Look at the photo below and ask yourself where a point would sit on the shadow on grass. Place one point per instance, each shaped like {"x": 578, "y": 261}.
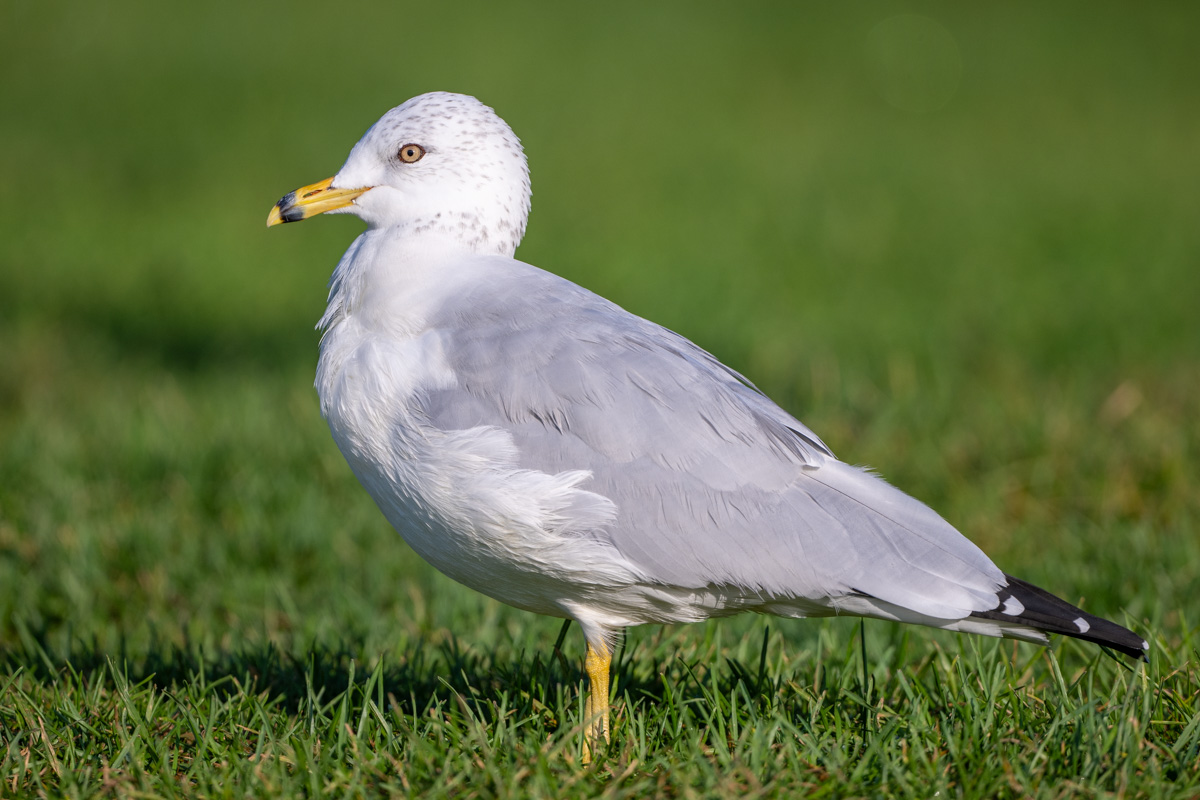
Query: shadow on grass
{"x": 419, "y": 680}
{"x": 423, "y": 676}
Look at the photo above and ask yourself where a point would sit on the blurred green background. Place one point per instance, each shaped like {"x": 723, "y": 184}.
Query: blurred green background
{"x": 958, "y": 240}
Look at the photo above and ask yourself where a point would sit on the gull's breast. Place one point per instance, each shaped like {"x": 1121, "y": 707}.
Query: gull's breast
{"x": 459, "y": 497}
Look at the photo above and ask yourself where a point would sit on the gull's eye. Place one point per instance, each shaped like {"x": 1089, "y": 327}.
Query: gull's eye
{"x": 411, "y": 152}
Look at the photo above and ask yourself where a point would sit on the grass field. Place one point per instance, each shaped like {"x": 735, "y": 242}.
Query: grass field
{"x": 960, "y": 242}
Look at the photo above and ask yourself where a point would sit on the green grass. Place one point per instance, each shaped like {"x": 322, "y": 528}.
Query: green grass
{"x": 992, "y": 300}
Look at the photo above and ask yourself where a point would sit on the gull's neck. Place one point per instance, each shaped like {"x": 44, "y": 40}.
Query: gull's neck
{"x": 390, "y": 280}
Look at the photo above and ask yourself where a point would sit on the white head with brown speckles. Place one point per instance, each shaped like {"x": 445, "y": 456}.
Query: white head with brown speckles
{"x": 440, "y": 162}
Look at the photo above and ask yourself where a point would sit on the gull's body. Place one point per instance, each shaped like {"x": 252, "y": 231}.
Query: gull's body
{"x": 543, "y": 446}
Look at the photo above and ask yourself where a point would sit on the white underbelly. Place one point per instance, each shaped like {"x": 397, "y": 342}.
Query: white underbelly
{"x": 458, "y": 497}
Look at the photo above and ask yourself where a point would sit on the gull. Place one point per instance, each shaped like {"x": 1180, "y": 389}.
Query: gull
{"x": 543, "y": 446}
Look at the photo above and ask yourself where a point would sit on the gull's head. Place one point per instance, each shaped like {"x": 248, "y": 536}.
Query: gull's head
{"x": 440, "y": 164}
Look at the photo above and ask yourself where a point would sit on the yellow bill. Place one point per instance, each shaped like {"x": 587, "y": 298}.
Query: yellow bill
{"x": 308, "y": 201}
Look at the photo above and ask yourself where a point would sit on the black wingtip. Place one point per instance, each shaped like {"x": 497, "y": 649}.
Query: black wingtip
{"x": 1025, "y": 604}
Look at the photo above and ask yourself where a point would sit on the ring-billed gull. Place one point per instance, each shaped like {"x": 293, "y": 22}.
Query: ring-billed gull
{"x": 541, "y": 445}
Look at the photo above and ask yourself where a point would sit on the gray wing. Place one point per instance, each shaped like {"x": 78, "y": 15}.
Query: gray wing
{"x": 715, "y": 485}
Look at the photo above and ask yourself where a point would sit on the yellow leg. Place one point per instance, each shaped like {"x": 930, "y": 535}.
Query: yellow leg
{"x": 597, "y": 664}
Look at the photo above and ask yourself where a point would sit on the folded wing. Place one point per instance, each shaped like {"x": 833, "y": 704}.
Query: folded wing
{"x": 715, "y": 485}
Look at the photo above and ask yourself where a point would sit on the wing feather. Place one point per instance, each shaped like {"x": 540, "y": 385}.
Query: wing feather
{"x": 715, "y": 485}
